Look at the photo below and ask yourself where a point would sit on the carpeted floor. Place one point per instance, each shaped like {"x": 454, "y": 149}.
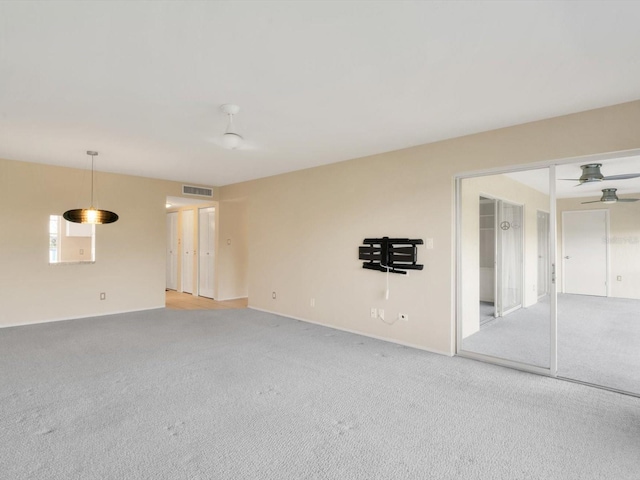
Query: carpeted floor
{"x": 598, "y": 339}
{"x": 240, "y": 394}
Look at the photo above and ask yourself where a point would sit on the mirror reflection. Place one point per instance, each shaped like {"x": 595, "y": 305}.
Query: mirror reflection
{"x": 505, "y": 253}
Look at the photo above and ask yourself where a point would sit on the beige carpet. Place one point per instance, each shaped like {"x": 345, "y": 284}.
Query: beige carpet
{"x": 240, "y": 394}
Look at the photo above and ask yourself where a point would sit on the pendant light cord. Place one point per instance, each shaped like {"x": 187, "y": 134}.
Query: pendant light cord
{"x": 92, "y": 158}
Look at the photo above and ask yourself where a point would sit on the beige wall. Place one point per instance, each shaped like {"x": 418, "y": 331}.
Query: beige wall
{"x": 130, "y": 254}
{"x": 304, "y": 228}
{"x": 233, "y": 244}
{"x": 503, "y": 188}
{"x": 296, "y": 234}
{"x": 624, "y": 243}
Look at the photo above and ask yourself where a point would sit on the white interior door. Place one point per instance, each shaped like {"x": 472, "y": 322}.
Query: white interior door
{"x": 172, "y": 250}
{"x": 187, "y": 251}
{"x": 206, "y": 248}
{"x": 584, "y": 252}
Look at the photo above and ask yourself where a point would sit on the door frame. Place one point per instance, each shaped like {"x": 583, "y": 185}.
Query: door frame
{"x": 495, "y": 250}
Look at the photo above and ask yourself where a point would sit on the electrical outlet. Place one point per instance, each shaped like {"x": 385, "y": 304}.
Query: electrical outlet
{"x": 381, "y": 313}
{"x": 403, "y": 316}
{"x": 273, "y": 295}
{"x": 374, "y": 312}
{"x": 312, "y": 302}
{"x": 82, "y": 251}
{"x": 429, "y": 243}
{"x": 103, "y": 296}
{"x": 619, "y": 278}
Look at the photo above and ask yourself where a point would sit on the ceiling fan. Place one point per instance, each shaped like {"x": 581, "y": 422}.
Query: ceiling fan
{"x": 609, "y": 196}
{"x": 591, "y": 173}
{"x": 231, "y": 139}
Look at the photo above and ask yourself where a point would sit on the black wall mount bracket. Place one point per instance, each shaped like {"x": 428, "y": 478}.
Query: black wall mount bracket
{"x": 396, "y": 255}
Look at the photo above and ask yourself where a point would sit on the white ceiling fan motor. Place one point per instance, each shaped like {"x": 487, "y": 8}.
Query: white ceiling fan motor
{"x": 231, "y": 140}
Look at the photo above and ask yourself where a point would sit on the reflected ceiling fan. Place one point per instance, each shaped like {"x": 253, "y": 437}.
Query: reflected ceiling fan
{"x": 609, "y": 196}
{"x": 591, "y": 173}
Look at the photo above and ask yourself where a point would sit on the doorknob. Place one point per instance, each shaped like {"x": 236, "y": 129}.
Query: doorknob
{"x": 567, "y": 257}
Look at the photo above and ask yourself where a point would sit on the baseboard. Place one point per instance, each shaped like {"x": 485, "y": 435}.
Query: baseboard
{"x": 384, "y": 339}
{"x": 230, "y": 298}
{"x": 104, "y": 314}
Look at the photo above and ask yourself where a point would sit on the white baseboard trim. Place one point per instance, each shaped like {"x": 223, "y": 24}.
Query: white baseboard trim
{"x": 230, "y": 298}
{"x": 95, "y": 315}
{"x": 377, "y": 337}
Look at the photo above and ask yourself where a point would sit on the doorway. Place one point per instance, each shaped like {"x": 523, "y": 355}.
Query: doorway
{"x": 501, "y": 265}
{"x": 191, "y": 244}
{"x": 487, "y": 258}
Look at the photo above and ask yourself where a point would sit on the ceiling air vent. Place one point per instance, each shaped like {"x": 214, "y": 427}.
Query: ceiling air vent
{"x": 197, "y": 191}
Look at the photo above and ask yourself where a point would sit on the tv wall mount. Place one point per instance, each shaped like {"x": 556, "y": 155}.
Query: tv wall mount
{"x": 395, "y": 255}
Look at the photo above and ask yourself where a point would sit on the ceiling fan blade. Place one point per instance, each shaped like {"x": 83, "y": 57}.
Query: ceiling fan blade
{"x": 570, "y": 179}
{"x": 624, "y": 176}
{"x": 628, "y": 199}
{"x": 595, "y": 201}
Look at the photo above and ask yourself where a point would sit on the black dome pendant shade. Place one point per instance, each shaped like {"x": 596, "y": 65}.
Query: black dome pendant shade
{"x": 91, "y": 214}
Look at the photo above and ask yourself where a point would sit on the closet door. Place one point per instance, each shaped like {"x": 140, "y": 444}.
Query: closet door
{"x": 510, "y": 257}
{"x": 188, "y": 256}
{"x": 206, "y": 247}
{"x": 172, "y": 251}
{"x": 518, "y": 327}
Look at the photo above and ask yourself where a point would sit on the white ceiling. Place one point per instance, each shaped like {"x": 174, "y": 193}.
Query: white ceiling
{"x": 317, "y": 82}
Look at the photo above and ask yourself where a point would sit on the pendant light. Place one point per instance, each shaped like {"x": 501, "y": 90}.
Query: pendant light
{"x": 91, "y": 214}
{"x": 231, "y": 140}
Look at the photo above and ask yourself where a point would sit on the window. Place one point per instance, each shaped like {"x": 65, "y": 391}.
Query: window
{"x": 70, "y": 242}
{"x": 54, "y": 228}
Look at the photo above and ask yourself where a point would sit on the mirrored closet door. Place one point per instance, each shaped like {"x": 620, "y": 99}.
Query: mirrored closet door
{"x": 504, "y": 254}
